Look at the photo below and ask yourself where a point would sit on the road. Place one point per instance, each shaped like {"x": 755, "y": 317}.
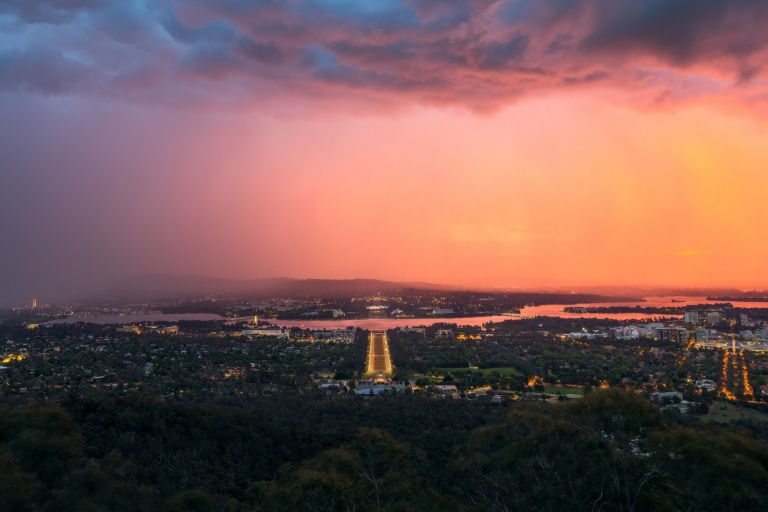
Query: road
{"x": 734, "y": 382}
{"x": 378, "y": 353}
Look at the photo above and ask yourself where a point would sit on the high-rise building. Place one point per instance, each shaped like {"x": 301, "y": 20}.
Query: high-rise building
{"x": 34, "y": 303}
{"x": 713, "y": 318}
{"x": 746, "y": 321}
{"x": 671, "y": 334}
{"x": 702, "y": 335}
{"x": 692, "y": 317}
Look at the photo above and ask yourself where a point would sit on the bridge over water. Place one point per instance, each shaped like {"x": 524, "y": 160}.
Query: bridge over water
{"x": 378, "y": 353}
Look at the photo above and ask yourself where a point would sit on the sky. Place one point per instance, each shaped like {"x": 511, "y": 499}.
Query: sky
{"x": 477, "y": 143}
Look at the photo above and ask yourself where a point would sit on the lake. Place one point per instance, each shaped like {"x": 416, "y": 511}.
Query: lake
{"x": 391, "y": 323}
{"x": 130, "y": 319}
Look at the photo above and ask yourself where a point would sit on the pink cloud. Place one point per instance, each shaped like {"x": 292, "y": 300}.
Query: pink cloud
{"x": 469, "y": 53}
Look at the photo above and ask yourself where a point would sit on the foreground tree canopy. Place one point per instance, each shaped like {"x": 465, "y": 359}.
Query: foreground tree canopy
{"x": 610, "y": 451}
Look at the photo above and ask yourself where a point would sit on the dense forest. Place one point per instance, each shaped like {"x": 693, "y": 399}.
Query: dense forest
{"x": 611, "y": 451}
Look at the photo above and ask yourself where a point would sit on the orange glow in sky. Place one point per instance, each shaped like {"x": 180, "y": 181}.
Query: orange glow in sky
{"x": 503, "y": 143}
{"x": 559, "y": 190}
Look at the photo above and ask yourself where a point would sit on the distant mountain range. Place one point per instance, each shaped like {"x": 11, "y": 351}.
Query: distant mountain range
{"x": 162, "y": 286}
{"x": 158, "y": 287}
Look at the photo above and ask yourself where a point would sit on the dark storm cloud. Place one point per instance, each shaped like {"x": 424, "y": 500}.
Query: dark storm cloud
{"x": 682, "y": 32}
{"x": 263, "y": 53}
{"x": 49, "y": 11}
{"x": 500, "y": 55}
{"x": 424, "y": 51}
{"x": 215, "y": 31}
{"x": 41, "y": 70}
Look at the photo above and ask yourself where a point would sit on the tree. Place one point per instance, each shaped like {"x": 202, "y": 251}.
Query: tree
{"x": 43, "y": 438}
{"x": 622, "y": 417}
{"x": 194, "y": 500}
{"x": 715, "y": 468}
{"x": 533, "y": 461}
{"x": 16, "y": 487}
{"x": 373, "y": 472}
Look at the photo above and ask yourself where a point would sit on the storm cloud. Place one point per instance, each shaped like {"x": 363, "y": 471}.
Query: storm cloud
{"x": 477, "y": 54}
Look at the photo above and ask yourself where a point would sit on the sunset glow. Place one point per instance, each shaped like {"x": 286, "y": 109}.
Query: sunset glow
{"x": 384, "y": 255}
{"x": 513, "y": 143}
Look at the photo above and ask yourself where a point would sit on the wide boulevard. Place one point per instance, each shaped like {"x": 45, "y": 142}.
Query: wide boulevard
{"x": 378, "y": 353}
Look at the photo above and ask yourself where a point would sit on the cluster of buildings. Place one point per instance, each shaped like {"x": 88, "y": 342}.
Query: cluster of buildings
{"x": 437, "y": 311}
{"x": 441, "y": 311}
{"x": 376, "y": 386}
{"x": 100, "y": 311}
{"x": 751, "y": 341}
{"x": 710, "y": 317}
{"x": 754, "y": 339}
{"x": 336, "y": 335}
{"x": 705, "y": 337}
{"x": 282, "y": 304}
{"x": 278, "y": 332}
{"x": 653, "y": 330}
{"x": 137, "y": 329}
{"x": 337, "y": 313}
{"x": 379, "y": 384}
{"x": 715, "y": 317}
{"x": 420, "y": 330}
{"x": 584, "y": 335}
{"x": 373, "y": 386}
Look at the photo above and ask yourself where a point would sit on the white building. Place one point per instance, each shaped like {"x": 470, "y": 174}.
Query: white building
{"x": 374, "y": 388}
{"x": 633, "y": 332}
{"x": 445, "y": 388}
{"x": 579, "y": 335}
{"x": 661, "y": 395}
{"x": 168, "y": 329}
{"x": 344, "y": 335}
{"x": 705, "y": 384}
{"x": 268, "y": 331}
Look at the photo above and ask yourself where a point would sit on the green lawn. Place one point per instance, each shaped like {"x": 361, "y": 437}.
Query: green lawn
{"x": 486, "y": 371}
{"x": 723, "y": 412}
{"x": 431, "y": 379}
{"x": 553, "y": 390}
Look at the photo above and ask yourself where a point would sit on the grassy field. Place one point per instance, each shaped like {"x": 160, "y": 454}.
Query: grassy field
{"x": 723, "y": 412}
{"x": 553, "y": 390}
{"x": 431, "y": 379}
{"x": 486, "y": 371}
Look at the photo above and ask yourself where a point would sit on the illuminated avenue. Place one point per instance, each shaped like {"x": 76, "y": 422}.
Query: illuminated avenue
{"x": 378, "y": 353}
